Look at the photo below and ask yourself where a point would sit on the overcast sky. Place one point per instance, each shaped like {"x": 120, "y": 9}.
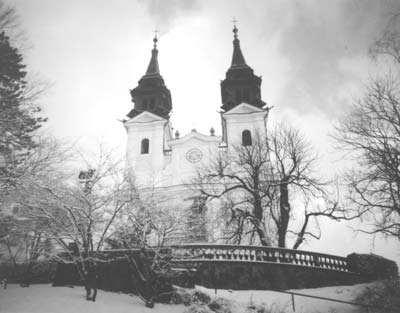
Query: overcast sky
{"x": 312, "y": 56}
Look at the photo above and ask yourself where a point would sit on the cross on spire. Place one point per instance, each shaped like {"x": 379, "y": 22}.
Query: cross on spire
{"x": 155, "y": 39}
{"x": 234, "y": 21}
{"x": 235, "y": 30}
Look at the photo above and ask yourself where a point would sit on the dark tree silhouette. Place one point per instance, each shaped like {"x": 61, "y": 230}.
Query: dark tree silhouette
{"x": 258, "y": 184}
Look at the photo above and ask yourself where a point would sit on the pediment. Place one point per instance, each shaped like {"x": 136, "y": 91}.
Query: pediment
{"x": 194, "y": 136}
{"x": 244, "y": 108}
{"x": 145, "y": 117}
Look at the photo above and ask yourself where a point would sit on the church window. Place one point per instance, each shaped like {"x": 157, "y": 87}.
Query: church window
{"x": 144, "y": 148}
{"x": 246, "y": 138}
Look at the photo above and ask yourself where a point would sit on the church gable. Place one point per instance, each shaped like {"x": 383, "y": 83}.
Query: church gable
{"x": 244, "y": 108}
{"x": 145, "y": 117}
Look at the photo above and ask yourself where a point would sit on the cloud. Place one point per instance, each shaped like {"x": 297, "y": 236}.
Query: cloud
{"x": 166, "y": 12}
{"x": 319, "y": 39}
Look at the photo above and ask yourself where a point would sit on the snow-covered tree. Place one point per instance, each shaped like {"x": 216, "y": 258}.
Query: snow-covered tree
{"x": 18, "y": 110}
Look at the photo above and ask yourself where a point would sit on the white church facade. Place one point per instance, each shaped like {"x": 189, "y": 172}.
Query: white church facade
{"x": 159, "y": 158}
{"x": 165, "y": 161}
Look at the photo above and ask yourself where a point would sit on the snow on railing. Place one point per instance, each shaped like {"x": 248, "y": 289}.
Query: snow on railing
{"x": 238, "y": 253}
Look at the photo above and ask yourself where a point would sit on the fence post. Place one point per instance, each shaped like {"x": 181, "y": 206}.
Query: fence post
{"x": 293, "y": 306}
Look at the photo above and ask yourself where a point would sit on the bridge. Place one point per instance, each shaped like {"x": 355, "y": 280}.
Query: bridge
{"x": 258, "y": 267}
{"x": 199, "y": 253}
{"x": 225, "y": 266}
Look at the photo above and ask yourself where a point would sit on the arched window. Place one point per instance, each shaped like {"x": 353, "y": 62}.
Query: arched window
{"x": 144, "y": 147}
{"x": 246, "y": 138}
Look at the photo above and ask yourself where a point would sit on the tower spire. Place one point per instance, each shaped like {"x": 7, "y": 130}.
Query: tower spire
{"x": 240, "y": 84}
{"x": 237, "y": 57}
{"x": 151, "y": 94}
{"x": 153, "y": 68}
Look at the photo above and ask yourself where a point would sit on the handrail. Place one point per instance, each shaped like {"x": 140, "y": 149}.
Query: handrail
{"x": 238, "y": 253}
{"x": 232, "y": 246}
{"x": 200, "y": 252}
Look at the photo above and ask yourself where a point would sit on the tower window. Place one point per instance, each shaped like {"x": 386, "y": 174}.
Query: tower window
{"x": 144, "y": 147}
{"x": 246, "y": 138}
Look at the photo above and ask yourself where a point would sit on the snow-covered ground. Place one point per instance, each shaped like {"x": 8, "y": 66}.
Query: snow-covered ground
{"x": 302, "y": 304}
{"x": 47, "y": 299}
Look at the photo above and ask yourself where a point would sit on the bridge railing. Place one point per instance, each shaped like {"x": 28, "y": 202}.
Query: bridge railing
{"x": 207, "y": 252}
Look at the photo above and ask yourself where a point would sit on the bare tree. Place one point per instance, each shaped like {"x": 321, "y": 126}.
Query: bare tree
{"x": 259, "y": 183}
{"x": 371, "y": 134}
{"x": 293, "y": 169}
{"x": 147, "y": 225}
{"x": 22, "y": 237}
{"x": 389, "y": 43}
{"x": 79, "y": 213}
{"x": 244, "y": 178}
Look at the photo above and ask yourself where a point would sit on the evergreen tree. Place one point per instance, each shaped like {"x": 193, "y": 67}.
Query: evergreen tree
{"x": 18, "y": 119}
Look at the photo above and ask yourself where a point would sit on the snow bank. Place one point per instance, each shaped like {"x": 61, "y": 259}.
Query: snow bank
{"x": 302, "y": 304}
{"x": 47, "y": 299}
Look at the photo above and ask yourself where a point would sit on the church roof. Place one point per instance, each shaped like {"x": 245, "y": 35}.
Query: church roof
{"x": 153, "y": 69}
{"x": 246, "y": 108}
{"x": 145, "y": 117}
{"x": 237, "y": 57}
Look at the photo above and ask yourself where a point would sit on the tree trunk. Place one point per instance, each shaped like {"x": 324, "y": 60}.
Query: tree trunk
{"x": 258, "y": 223}
{"x": 284, "y": 207}
{"x": 300, "y": 235}
{"x": 27, "y": 275}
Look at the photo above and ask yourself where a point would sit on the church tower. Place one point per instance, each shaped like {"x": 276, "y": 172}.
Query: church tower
{"x": 151, "y": 94}
{"x": 244, "y": 114}
{"x": 240, "y": 84}
{"x": 148, "y": 127}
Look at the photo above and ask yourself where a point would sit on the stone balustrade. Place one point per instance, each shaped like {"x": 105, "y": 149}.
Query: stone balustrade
{"x": 259, "y": 254}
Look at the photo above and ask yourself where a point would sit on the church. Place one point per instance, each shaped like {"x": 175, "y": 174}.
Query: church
{"x": 165, "y": 160}
{"x": 164, "y": 163}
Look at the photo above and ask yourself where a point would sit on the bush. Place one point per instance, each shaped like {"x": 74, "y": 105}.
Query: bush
{"x": 372, "y": 266}
{"x": 221, "y": 305}
{"x": 41, "y": 272}
{"x": 198, "y": 308}
{"x": 384, "y": 294}
{"x": 199, "y": 297}
{"x": 186, "y": 297}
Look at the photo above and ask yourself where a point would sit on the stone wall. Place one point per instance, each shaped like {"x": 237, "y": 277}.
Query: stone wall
{"x": 241, "y": 275}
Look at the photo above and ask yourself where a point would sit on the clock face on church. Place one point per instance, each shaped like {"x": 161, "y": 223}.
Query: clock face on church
{"x": 194, "y": 155}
